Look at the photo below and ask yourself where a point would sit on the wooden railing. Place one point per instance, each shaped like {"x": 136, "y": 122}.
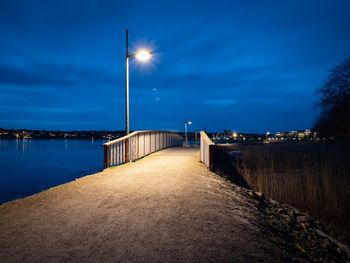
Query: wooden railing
{"x": 137, "y": 145}
{"x": 206, "y": 150}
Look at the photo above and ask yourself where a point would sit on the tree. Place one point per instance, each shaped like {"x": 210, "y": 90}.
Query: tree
{"x": 334, "y": 102}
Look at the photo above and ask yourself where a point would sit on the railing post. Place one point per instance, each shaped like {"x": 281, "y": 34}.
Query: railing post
{"x": 138, "y": 146}
{"x": 127, "y": 150}
{"x": 206, "y": 150}
{"x": 105, "y": 156}
{"x": 211, "y": 155}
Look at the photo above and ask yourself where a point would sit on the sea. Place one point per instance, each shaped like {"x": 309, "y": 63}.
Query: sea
{"x": 29, "y": 166}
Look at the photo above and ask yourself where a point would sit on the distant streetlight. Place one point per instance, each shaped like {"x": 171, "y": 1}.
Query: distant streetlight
{"x": 186, "y": 124}
{"x": 142, "y": 55}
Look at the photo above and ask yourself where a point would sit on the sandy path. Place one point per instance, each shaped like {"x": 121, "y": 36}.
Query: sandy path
{"x": 166, "y": 207}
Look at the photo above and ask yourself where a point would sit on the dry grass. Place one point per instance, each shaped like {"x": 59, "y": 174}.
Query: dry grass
{"x": 314, "y": 177}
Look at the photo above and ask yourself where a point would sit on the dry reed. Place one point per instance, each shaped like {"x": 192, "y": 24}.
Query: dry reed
{"x": 314, "y": 177}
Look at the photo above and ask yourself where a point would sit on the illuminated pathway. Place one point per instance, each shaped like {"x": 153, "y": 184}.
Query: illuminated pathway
{"x": 166, "y": 207}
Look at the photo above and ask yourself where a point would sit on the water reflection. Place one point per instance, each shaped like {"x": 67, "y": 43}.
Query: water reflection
{"x": 30, "y": 165}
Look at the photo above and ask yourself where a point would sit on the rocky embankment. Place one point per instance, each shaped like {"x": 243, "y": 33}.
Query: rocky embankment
{"x": 298, "y": 234}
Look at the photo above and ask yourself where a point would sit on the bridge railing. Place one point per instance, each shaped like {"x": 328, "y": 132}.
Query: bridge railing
{"x": 137, "y": 145}
{"x": 206, "y": 150}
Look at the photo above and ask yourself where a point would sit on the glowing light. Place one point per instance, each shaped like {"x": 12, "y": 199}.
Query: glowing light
{"x": 234, "y": 135}
{"x": 143, "y": 55}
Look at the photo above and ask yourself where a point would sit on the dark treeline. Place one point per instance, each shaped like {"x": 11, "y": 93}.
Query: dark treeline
{"x": 334, "y": 102}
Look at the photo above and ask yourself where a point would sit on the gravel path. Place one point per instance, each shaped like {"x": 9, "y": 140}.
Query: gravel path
{"x": 166, "y": 207}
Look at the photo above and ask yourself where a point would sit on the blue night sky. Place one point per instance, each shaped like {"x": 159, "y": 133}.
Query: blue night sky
{"x": 249, "y": 66}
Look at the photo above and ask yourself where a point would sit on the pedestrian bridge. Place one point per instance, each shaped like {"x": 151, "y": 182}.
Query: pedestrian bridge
{"x": 142, "y": 143}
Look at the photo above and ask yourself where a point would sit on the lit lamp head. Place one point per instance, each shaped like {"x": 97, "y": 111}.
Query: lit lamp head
{"x": 143, "y": 55}
{"x": 189, "y": 123}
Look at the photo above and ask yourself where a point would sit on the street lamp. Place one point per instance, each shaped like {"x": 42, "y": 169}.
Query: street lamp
{"x": 234, "y": 135}
{"x": 142, "y": 55}
{"x": 187, "y": 123}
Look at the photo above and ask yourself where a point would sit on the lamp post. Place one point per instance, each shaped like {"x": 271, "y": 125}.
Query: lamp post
{"x": 186, "y": 124}
{"x": 142, "y": 55}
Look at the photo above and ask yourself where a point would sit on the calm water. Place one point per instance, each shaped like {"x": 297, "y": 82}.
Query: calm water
{"x": 30, "y": 166}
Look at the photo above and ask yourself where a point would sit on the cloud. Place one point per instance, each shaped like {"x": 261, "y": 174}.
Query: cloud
{"x": 16, "y": 76}
{"x": 220, "y": 102}
{"x": 52, "y": 75}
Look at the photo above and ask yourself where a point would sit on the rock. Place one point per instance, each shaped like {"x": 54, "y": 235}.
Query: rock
{"x": 289, "y": 211}
{"x": 280, "y": 210}
{"x": 323, "y": 253}
{"x": 305, "y": 226}
{"x": 273, "y": 202}
{"x": 297, "y": 246}
{"x": 250, "y": 193}
{"x": 259, "y": 194}
{"x": 285, "y": 217}
{"x": 302, "y": 219}
{"x": 307, "y": 239}
{"x": 336, "y": 242}
{"x": 297, "y": 212}
{"x": 325, "y": 243}
{"x": 340, "y": 252}
{"x": 320, "y": 233}
{"x": 298, "y": 235}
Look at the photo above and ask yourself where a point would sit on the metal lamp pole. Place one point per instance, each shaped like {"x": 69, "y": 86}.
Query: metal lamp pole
{"x": 187, "y": 123}
{"x": 142, "y": 55}
{"x": 127, "y": 85}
